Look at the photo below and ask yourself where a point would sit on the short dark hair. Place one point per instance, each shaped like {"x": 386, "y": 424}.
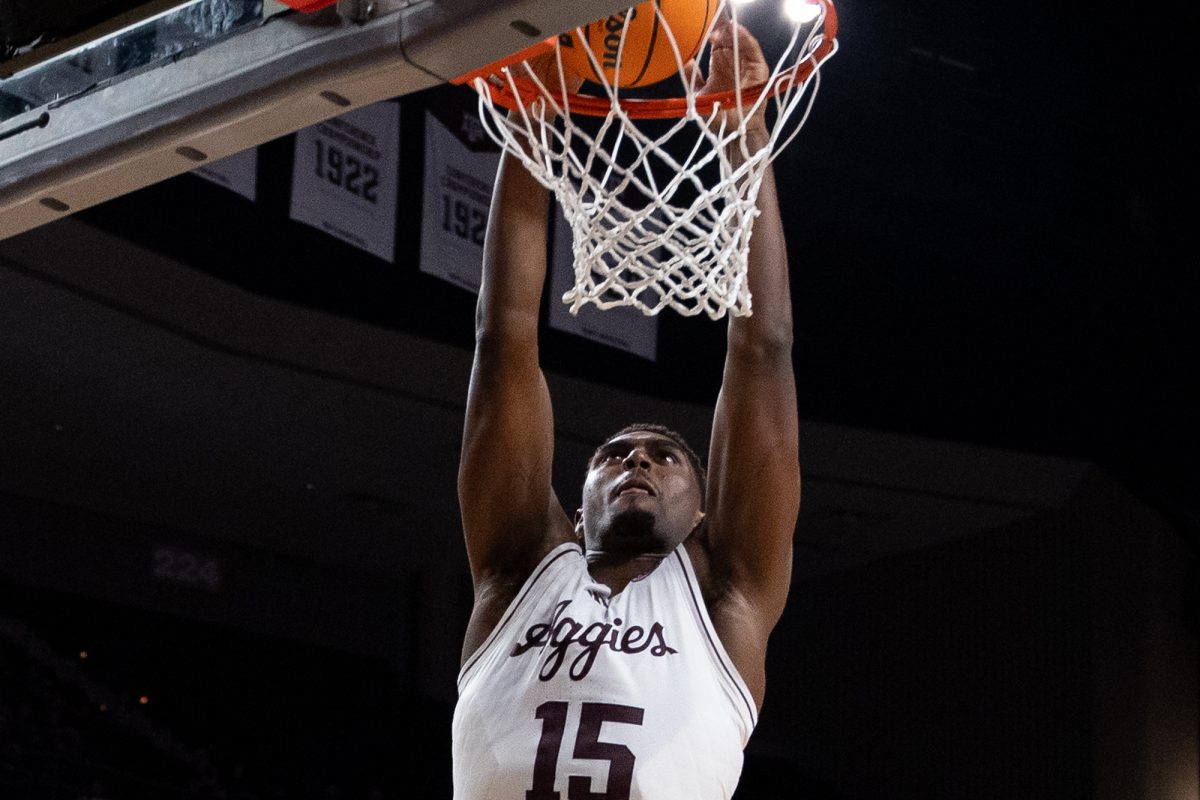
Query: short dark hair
{"x": 693, "y": 459}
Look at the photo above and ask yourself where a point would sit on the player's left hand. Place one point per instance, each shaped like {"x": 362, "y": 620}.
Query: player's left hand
{"x": 545, "y": 68}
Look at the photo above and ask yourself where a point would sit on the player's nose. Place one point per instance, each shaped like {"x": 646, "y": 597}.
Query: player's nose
{"x": 637, "y": 458}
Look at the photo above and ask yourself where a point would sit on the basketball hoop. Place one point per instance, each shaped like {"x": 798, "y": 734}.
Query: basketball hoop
{"x": 660, "y": 193}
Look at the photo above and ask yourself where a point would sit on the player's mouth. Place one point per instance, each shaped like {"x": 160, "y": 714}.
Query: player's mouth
{"x": 635, "y": 486}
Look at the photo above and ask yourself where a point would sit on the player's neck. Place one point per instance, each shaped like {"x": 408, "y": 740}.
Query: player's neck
{"x": 617, "y": 571}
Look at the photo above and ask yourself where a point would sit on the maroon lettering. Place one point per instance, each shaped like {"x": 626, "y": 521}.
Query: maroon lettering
{"x": 563, "y": 635}
{"x": 629, "y": 641}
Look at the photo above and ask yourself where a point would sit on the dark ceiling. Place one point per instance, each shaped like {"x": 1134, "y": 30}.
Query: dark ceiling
{"x": 987, "y": 219}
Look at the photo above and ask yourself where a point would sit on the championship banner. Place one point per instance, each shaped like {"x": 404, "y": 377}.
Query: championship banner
{"x": 460, "y": 172}
{"x": 238, "y": 173}
{"x": 624, "y": 328}
{"x": 344, "y": 177}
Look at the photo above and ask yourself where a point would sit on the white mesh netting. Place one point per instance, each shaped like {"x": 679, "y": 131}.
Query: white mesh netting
{"x": 662, "y": 210}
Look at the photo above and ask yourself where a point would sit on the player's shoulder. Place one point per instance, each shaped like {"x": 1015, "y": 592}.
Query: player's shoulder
{"x": 496, "y": 590}
{"x": 509, "y": 572}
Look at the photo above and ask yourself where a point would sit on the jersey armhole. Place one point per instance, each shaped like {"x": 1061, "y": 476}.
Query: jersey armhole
{"x": 535, "y": 576}
{"x": 745, "y": 700}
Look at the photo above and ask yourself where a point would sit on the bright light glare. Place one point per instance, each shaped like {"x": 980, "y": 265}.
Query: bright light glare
{"x": 801, "y": 10}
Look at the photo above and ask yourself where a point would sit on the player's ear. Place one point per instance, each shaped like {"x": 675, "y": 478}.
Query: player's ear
{"x": 579, "y": 523}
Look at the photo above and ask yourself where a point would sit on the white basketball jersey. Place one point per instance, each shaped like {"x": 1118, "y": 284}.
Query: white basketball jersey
{"x": 579, "y": 695}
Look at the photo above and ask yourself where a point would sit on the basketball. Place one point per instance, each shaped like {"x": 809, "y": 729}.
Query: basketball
{"x": 646, "y": 56}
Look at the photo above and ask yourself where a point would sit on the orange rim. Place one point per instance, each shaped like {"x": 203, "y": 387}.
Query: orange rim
{"x": 593, "y": 106}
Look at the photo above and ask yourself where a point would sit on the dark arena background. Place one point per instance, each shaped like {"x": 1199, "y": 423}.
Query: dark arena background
{"x": 231, "y": 565}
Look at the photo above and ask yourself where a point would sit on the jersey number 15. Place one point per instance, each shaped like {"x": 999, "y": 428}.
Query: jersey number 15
{"x": 553, "y": 715}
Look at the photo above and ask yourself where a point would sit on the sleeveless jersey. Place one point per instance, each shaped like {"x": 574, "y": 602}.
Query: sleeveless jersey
{"x": 576, "y": 694}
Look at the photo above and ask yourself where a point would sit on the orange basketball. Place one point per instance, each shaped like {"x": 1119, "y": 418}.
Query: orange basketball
{"x": 646, "y": 56}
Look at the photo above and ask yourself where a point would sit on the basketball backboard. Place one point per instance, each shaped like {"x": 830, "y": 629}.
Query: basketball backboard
{"x": 203, "y": 79}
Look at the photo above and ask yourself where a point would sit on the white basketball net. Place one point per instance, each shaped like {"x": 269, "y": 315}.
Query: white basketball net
{"x": 661, "y": 212}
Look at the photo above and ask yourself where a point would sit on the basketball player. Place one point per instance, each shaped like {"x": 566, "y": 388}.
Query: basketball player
{"x": 621, "y": 653}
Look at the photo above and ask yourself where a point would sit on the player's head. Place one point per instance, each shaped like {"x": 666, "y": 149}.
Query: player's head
{"x": 694, "y": 460}
{"x": 644, "y": 492}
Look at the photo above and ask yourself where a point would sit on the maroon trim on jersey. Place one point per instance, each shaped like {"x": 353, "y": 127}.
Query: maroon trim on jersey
{"x": 717, "y": 648}
{"x": 566, "y": 547}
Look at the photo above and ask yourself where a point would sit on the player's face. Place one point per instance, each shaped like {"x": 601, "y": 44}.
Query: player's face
{"x": 641, "y": 495}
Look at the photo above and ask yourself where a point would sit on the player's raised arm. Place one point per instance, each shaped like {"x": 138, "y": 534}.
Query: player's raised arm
{"x": 754, "y": 472}
{"x": 509, "y": 512}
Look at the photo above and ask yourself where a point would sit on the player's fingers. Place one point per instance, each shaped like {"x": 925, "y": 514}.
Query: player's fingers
{"x": 692, "y": 75}
{"x": 748, "y": 45}
{"x": 571, "y": 81}
{"x": 546, "y": 69}
{"x": 536, "y": 67}
{"x": 720, "y": 36}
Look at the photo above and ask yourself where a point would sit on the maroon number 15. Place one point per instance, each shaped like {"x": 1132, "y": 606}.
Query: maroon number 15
{"x": 553, "y": 715}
